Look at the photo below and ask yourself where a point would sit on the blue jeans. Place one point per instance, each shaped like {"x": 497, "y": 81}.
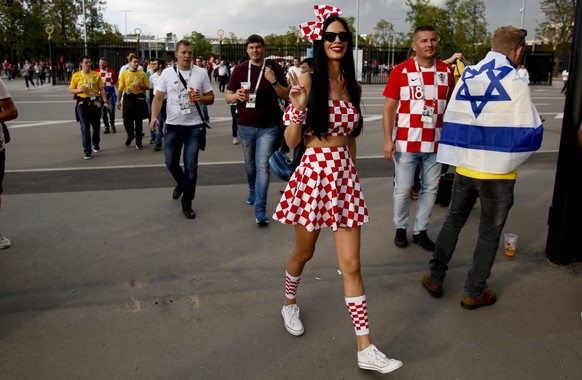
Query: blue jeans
{"x": 258, "y": 145}
{"x": 496, "y": 198}
{"x": 159, "y": 132}
{"x": 430, "y": 170}
{"x": 176, "y": 137}
{"x": 89, "y": 117}
{"x": 109, "y": 114}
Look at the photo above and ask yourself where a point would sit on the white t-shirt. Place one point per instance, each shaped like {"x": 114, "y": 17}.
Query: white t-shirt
{"x": 3, "y": 95}
{"x": 171, "y": 84}
{"x": 295, "y": 69}
{"x": 565, "y": 75}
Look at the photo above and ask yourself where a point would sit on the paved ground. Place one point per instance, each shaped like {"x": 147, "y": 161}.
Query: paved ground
{"x": 107, "y": 280}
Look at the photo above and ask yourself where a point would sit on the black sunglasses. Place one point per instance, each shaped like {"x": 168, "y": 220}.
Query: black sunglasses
{"x": 331, "y": 36}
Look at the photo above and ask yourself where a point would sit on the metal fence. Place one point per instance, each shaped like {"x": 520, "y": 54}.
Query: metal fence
{"x": 375, "y": 60}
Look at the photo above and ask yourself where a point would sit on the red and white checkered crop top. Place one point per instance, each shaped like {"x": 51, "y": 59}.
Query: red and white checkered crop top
{"x": 343, "y": 118}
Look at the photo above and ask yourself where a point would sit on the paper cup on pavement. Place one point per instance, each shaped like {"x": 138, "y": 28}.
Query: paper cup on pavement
{"x": 510, "y": 244}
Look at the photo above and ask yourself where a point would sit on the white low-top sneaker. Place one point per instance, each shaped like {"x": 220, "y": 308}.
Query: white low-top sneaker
{"x": 291, "y": 319}
{"x": 373, "y": 359}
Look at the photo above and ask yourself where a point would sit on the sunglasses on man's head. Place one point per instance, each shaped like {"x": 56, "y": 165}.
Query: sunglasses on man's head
{"x": 331, "y": 36}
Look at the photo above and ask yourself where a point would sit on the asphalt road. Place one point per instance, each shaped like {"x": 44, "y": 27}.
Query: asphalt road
{"x": 45, "y": 154}
{"x": 107, "y": 280}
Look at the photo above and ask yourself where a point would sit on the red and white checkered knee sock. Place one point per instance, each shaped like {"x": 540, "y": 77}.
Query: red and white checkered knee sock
{"x": 359, "y": 312}
{"x": 291, "y": 285}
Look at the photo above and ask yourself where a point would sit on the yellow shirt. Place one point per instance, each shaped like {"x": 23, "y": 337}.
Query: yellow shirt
{"x": 483, "y": 175}
{"x": 93, "y": 80}
{"x": 128, "y": 78}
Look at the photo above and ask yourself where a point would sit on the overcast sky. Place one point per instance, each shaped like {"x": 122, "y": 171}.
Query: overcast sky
{"x": 245, "y": 17}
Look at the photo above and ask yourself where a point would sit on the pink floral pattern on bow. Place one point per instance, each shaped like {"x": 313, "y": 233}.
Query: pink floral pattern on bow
{"x": 313, "y": 30}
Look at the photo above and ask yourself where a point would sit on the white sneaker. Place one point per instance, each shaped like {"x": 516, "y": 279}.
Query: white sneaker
{"x": 235, "y": 141}
{"x": 373, "y": 359}
{"x": 291, "y": 319}
{"x": 4, "y": 243}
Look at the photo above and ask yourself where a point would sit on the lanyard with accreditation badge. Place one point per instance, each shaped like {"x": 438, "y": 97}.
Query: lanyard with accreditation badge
{"x": 90, "y": 85}
{"x": 427, "y": 110}
{"x": 252, "y": 101}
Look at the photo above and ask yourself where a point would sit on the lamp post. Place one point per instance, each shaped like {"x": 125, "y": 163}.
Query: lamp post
{"x": 85, "y": 27}
{"x": 49, "y": 30}
{"x": 220, "y": 33}
{"x": 137, "y": 32}
{"x": 522, "y": 11}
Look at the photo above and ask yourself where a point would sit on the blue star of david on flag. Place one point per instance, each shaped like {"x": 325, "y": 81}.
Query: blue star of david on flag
{"x": 472, "y": 88}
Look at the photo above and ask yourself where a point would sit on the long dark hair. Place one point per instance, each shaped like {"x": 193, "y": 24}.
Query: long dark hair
{"x": 318, "y": 112}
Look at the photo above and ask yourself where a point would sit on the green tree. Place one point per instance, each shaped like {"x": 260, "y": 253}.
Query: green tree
{"x": 558, "y": 28}
{"x": 460, "y": 25}
{"x": 62, "y": 15}
{"x": 470, "y": 35}
{"x": 384, "y": 32}
{"x": 200, "y": 44}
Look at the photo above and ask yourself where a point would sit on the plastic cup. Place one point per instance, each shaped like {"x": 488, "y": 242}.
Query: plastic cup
{"x": 510, "y": 244}
{"x": 192, "y": 94}
{"x": 246, "y": 86}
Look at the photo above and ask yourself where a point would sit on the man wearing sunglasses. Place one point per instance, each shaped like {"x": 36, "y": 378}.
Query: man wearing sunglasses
{"x": 416, "y": 96}
{"x": 490, "y": 128}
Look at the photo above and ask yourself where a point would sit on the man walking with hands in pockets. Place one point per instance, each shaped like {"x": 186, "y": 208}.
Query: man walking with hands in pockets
{"x": 185, "y": 85}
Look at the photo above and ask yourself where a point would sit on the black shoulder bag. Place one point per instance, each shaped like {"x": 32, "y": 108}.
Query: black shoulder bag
{"x": 202, "y": 140}
{"x": 5, "y": 131}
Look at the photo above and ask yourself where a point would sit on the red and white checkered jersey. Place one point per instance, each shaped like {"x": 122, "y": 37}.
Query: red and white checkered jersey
{"x": 343, "y": 118}
{"x": 412, "y": 135}
{"x": 108, "y": 76}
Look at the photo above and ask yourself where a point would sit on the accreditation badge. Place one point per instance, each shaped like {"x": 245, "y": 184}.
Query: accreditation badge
{"x": 427, "y": 114}
{"x": 184, "y": 102}
{"x": 252, "y": 100}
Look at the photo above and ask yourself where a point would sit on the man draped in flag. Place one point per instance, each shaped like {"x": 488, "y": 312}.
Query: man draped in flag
{"x": 490, "y": 128}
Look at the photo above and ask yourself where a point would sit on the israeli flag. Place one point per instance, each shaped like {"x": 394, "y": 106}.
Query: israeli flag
{"x": 490, "y": 123}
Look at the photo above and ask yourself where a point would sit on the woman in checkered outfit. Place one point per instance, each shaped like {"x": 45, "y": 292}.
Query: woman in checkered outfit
{"x": 324, "y": 190}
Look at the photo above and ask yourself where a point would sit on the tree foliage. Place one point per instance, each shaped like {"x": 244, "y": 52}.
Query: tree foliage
{"x": 202, "y": 47}
{"x": 23, "y": 26}
{"x": 384, "y": 33}
{"x": 460, "y": 25}
{"x": 558, "y": 29}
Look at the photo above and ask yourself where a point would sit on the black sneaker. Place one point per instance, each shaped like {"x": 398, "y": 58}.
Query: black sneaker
{"x": 423, "y": 240}
{"x": 400, "y": 238}
{"x": 189, "y": 213}
{"x": 128, "y": 141}
{"x": 177, "y": 192}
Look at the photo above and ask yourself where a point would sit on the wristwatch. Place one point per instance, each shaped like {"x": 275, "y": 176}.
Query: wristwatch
{"x": 274, "y": 83}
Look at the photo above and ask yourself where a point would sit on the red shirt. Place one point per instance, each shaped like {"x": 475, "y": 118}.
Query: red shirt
{"x": 413, "y": 92}
{"x": 267, "y": 113}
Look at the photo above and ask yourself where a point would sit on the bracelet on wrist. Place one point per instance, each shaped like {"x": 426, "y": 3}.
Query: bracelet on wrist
{"x": 297, "y": 116}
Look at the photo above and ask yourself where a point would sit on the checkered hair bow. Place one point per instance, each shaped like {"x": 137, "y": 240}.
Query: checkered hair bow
{"x": 312, "y": 30}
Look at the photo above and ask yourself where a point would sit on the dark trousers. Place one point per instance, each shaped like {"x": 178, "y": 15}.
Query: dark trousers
{"x": 223, "y": 80}
{"x": 88, "y": 117}
{"x": 109, "y": 114}
{"x": 234, "y": 115}
{"x": 134, "y": 112}
{"x": 496, "y": 198}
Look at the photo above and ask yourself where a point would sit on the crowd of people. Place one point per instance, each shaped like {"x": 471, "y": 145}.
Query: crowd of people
{"x": 314, "y": 105}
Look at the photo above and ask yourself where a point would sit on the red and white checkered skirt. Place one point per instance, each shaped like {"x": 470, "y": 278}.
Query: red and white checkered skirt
{"x": 324, "y": 191}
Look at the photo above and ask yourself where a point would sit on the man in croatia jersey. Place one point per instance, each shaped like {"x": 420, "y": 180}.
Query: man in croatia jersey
{"x": 416, "y": 94}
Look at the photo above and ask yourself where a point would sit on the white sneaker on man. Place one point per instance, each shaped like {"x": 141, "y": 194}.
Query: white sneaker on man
{"x": 373, "y": 359}
{"x": 291, "y": 319}
{"x": 235, "y": 141}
